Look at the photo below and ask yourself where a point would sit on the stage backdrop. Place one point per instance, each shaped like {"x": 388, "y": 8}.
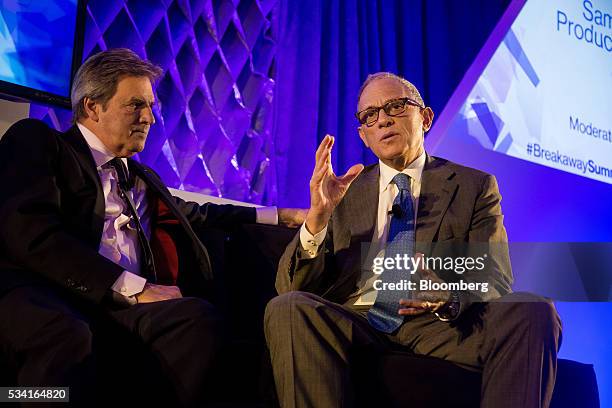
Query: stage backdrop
{"x": 534, "y": 109}
{"x": 213, "y": 130}
{"x": 327, "y": 48}
{"x": 250, "y": 87}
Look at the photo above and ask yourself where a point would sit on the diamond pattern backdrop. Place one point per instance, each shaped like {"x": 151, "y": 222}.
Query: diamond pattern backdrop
{"x": 214, "y": 116}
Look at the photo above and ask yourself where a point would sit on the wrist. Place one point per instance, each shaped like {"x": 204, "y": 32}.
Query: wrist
{"x": 316, "y": 221}
{"x": 450, "y": 310}
{"x": 116, "y": 300}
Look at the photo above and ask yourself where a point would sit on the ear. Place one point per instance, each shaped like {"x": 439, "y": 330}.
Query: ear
{"x": 92, "y": 109}
{"x": 428, "y": 116}
{"x": 362, "y": 136}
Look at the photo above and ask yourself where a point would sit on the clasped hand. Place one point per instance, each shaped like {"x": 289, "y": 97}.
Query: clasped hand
{"x": 425, "y": 301}
{"x": 157, "y": 293}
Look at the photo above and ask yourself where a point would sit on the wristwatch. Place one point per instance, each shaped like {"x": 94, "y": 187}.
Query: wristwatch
{"x": 451, "y": 309}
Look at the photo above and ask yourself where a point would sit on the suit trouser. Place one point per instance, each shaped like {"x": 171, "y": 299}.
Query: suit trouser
{"x": 512, "y": 341}
{"x": 164, "y": 347}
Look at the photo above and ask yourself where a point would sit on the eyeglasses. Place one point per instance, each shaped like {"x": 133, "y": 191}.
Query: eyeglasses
{"x": 394, "y": 107}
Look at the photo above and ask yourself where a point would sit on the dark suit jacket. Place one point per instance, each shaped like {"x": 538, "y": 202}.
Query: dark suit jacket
{"x": 52, "y": 214}
{"x": 457, "y": 205}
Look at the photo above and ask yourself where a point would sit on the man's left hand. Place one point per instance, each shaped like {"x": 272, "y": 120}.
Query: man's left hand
{"x": 425, "y": 301}
{"x": 413, "y": 307}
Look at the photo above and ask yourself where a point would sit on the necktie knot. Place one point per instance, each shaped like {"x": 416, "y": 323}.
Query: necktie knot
{"x": 402, "y": 181}
{"x": 122, "y": 173}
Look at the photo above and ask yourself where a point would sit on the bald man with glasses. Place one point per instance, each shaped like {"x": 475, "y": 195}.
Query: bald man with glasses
{"x": 330, "y": 301}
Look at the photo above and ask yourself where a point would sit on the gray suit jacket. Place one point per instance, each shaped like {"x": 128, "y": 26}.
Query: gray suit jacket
{"x": 457, "y": 206}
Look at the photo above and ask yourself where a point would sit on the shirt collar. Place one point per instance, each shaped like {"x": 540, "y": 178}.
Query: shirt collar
{"x": 100, "y": 152}
{"x": 414, "y": 171}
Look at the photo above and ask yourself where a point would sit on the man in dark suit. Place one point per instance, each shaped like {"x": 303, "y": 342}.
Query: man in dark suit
{"x": 89, "y": 235}
{"x": 334, "y": 300}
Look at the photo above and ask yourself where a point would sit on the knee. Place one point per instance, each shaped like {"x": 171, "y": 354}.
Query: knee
{"x": 543, "y": 313}
{"x": 282, "y": 308}
{"x": 197, "y": 312}
{"x": 68, "y": 337}
{"x": 194, "y": 307}
{"x": 287, "y": 301}
{"x": 81, "y": 333}
{"x": 539, "y": 312}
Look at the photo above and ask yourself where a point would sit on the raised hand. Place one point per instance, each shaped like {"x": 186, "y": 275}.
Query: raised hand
{"x": 326, "y": 189}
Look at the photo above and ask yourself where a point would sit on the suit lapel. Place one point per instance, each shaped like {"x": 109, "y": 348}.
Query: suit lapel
{"x": 84, "y": 156}
{"x": 360, "y": 220}
{"x": 437, "y": 189}
{"x": 160, "y": 191}
{"x": 364, "y": 199}
{"x": 137, "y": 169}
{"x": 74, "y": 137}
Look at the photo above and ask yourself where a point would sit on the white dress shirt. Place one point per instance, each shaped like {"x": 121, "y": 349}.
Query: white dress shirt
{"x": 119, "y": 241}
{"x": 387, "y": 191}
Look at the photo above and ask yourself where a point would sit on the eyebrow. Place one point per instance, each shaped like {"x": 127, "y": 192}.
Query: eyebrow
{"x": 386, "y": 102}
{"x": 140, "y": 100}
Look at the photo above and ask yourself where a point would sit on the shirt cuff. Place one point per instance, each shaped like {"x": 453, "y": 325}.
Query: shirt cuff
{"x": 266, "y": 215}
{"x": 129, "y": 284}
{"x": 311, "y": 243}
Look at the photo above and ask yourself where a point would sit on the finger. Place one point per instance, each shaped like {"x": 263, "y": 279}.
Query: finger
{"x": 325, "y": 158}
{"x": 411, "y": 311}
{"x": 351, "y": 174}
{"x": 411, "y": 302}
{"x": 321, "y": 152}
{"x": 320, "y": 169}
{"x": 320, "y": 174}
{"x": 436, "y": 305}
{"x": 328, "y": 157}
{"x": 321, "y": 159}
{"x": 328, "y": 146}
{"x": 322, "y": 147}
{"x": 323, "y": 155}
{"x": 420, "y": 304}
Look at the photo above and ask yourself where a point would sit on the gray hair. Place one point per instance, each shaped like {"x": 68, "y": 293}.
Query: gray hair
{"x": 413, "y": 92}
{"x": 97, "y": 78}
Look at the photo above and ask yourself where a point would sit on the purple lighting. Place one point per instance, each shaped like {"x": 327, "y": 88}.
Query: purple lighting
{"x": 213, "y": 131}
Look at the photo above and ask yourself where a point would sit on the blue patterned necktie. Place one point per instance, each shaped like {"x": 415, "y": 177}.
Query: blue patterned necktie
{"x": 383, "y": 315}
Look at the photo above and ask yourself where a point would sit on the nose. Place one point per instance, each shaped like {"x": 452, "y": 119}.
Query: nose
{"x": 147, "y": 116}
{"x": 384, "y": 120}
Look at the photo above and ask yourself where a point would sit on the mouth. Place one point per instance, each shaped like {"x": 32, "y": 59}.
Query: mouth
{"x": 388, "y": 135}
{"x": 138, "y": 132}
